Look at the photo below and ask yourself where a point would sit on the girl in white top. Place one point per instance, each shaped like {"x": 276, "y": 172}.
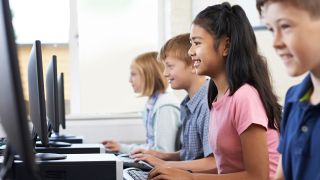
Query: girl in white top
{"x": 161, "y": 114}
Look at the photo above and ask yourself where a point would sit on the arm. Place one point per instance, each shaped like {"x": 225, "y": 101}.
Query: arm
{"x": 203, "y": 165}
{"x": 174, "y": 156}
{"x": 255, "y": 160}
{"x": 166, "y": 124}
{"x": 279, "y": 175}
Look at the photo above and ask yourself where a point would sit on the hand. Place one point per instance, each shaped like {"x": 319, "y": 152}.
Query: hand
{"x": 151, "y": 152}
{"x": 152, "y": 160}
{"x": 111, "y": 145}
{"x": 169, "y": 173}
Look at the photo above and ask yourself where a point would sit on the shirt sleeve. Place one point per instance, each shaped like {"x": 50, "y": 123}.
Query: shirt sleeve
{"x": 248, "y": 109}
{"x": 166, "y": 125}
{"x": 204, "y": 119}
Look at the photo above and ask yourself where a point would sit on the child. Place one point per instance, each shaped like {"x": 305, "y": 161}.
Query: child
{"x": 194, "y": 110}
{"x": 244, "y": 111}
{"x": 295, "y": 26}
{"x": 161, "y": 114}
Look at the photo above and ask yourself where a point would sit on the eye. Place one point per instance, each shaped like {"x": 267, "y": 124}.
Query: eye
{"x": 197, "y": 43}
{"x": 285, "y": 26}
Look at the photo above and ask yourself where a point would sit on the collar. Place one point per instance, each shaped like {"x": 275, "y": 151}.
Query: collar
{"x": 196, "y": 99}
{"x": 152, "y": 101}
{"x": 296, "y": 92}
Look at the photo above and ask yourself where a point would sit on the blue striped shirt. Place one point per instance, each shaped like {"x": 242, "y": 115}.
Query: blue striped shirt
{"x": 195, "y": 125}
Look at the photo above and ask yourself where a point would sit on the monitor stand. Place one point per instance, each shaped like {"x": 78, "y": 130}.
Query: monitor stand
{"x": 53, "y": 144}
{"x": 66, "y": 138}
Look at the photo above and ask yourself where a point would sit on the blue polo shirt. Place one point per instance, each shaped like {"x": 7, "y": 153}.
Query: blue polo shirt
{"x": 300, "y": 134}
{"x": 195, "y": 125}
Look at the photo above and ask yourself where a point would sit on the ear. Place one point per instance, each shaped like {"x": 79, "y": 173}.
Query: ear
{"x": 226, "y": 43}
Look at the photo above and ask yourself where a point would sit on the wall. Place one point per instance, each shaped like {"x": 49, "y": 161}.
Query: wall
{"x": 96, "y": 128}
{"x": 126, "y": 128}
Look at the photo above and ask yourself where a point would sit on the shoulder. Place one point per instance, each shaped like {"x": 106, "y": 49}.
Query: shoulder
{"x": 246, "y": 92}
{"x": 167, "y": 98}
{"x": 297, "y": 91}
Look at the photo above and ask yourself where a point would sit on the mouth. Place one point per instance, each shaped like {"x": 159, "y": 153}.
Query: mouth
{"x": 196, "y": 63}
{"x": 286, "y": 57}
{"x": 170, "y": 81}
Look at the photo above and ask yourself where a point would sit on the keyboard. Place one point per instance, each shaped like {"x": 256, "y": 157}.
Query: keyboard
{"x": 129, "y": 162}
{"x": 134, "y": 174}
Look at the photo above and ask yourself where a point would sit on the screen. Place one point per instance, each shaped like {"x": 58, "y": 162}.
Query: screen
{"x": 52, "y": 95}
{"x": 12, "y": 108}
{"x": 62, "y": 114}
{"x": 36, "y": 94}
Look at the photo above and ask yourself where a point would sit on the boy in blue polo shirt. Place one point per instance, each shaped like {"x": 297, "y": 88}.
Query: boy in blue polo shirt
{"x": 295, "y": 25}
{"x": 195, "y": 153}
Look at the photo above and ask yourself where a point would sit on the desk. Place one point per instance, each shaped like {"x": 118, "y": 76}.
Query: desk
{"x": 73, "y": 149}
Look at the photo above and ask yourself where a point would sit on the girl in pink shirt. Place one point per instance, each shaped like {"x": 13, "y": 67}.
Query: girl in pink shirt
{"x": 245, "y": 113}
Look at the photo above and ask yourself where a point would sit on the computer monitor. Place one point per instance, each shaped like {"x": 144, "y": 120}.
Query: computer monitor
{"x": 52, "y": 96}
{"x": 37, "y": 98}
{"x": 36, "y": 94}
{"x": 12, "y": 108}
{"x": 61, "y": 100}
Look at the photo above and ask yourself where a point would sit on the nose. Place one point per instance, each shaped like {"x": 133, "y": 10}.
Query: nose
{"x": 165, "y": 72}
{"x": 191, "y": 51}
{"x": 277, "y": 40}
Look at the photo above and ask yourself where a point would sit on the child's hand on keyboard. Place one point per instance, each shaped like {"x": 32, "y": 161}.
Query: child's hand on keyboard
{"x": 152, "y": 160}
{"x": 169, "y": 173}
{"x": 154, "y": 153}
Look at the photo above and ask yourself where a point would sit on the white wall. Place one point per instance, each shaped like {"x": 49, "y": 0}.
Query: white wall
{"x": 126, "y": 128}
{"x": 96, "y": 128}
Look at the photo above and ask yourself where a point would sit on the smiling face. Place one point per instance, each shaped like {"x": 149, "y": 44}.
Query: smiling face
{"x": 207, "y": 59}
{"x": 296, "y": 37}
{"x": 177, "y": 72}
{"x": 135, "y": 79}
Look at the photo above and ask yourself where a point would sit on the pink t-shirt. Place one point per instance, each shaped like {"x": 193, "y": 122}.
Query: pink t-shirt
{"x": 231, "y": 116}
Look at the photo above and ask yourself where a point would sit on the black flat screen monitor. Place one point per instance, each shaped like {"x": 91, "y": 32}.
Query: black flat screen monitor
{"x": 52, "y": 96}
{"x": 36, "y": 94}
{"x": 62, "y": 112}
{"x": 12, "y": 108}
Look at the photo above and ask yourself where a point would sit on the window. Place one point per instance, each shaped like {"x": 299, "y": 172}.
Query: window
{"x": 47, "y": 21}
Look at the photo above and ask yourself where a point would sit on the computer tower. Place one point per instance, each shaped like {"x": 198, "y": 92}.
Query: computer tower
{"x": 76, "y": 167}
